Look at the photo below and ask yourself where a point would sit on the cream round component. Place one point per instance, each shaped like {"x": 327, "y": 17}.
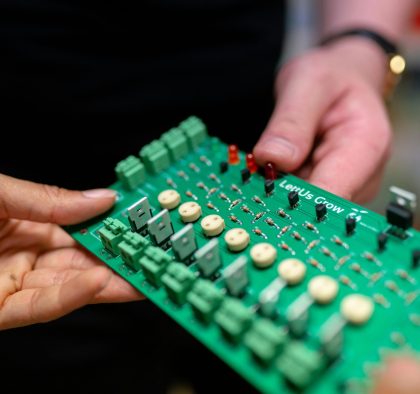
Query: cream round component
{"x": 357, "y": 308}
{"x": 263, "y": 254}
{"x": 237, "y": 239}
{"x": 292, "y": 271}
{"x": 212, "y": 225}
{"x": 169, "y": 199}
{"x": 189, "y": 211}
{"x": 323, "y": 289}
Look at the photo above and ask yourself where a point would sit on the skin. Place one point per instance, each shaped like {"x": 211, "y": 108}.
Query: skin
{"x": 43, "y": 273}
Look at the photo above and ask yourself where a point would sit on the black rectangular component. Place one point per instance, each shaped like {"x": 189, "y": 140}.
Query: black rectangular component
{"x": 416, "y": 259}
{"x": 223, "y": 165}
{"x": 268, "y": 186}
{"x": 382, "y": 239}
{"x": 399, "y": 216}
{"x": 321, "y": 211}
{"x": 245, "y": 174}
{"x": 350, "y": 225}
{"x": 293, "y": 198}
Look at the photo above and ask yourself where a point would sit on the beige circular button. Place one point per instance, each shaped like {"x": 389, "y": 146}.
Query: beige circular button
{"x": 323, "y": 289}
{"x": 169, "y": 199}
{"x": 292, "y": 271}
{"x": 357, "y": 308}
{"x": 237, "y": 239}
{"x": 263, "y": 254}
{"x": 212, "y": 225}
{"x": 189, "y": 211}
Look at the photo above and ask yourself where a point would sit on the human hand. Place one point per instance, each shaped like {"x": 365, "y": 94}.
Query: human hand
{"x": 44, "y": 274}
{"x": 329, "y": 125}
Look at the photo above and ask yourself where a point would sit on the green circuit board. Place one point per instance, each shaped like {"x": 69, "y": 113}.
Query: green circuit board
{"x": 274, "y": 329}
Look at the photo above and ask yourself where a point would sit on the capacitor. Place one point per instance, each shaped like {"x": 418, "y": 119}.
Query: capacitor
{"x": 250, "y": 163}
{"x": 270, "y": 171}
{"x": 233, "y": 154}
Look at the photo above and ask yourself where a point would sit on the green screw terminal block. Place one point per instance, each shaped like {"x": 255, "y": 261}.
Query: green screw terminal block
{"x": 204, "y": 298}
{"x": 195, "y": 130}
{"x": 130, "y": 172}
{"x": 178, "y": 281}
{"x": 233, "y": 319}
{"x": 111, "y": 234}
{"x": 132, "y": 248}
{"x": 265, "y": 340}
{"x": 176, "y": 142}
{"x": 154, "y": 263}
{"x": 299, "y": 364}
{"x": 155, "y": 157}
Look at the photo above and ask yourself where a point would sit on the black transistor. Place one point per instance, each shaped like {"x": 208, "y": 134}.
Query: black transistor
{"x": 268, "y": 186}
{"x": 350, "y": 225}
{"x": 293, "y": 198}
{"x": 382, "y": 240}
{"x": 416, "y": 259}
{"x": 321, "y": 211}
{"x": 245, "y": 174}
{"x": 223, "y": 165}
{"x": 399, "y": 216}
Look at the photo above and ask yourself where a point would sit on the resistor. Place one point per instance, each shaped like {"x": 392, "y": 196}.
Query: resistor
{"x": 345, "y": 280}
{"x": 311, "y": 245}
{"x": 328, "y": 252}
{"x": 233, "y": 154}
{"x": 234, "y": 219}
{"x": 213, "y": 177}
{"x": 251, "y": 164}
{"x": 235, "y": 188}
{"x": 316, "y": 264}
{"x": 283, "y": 214}
{"x": 171, "y": 183}
{"x": 375, "y": 277}
{"x": 258, "y": 216}
{"x": 234, "y": 203}
{"x": 190, "y": 194}
{"x": 211, "y": 206}
{"x": 194, "y": 167}
{"x": 205, "y": 160}
{"x": 381, "y": 300}
{"x": 296, "y": 236}
{"x": 404, "y": 275}
{"x": 257, "y": 231}
{"x": 284, "y": 230}
{"x": 357, "y": 268}
{"x": 271, "y": 223}
{"x": 183, "y": 175}
{"x": 212, "y": 191}
{"x": 340, "y": 242}
{"x": 391, "y": 285}
{"x": 342, "y": 261}
{"x": 224, "y": 197}
{"x": 258, "y": 200}
{"x": 370, "y": 257}
{"x": 310, "y": 226}
{"x": 410, "y": 297}
{"x": 245, "y": 209}
{"x": 201, "y": 185}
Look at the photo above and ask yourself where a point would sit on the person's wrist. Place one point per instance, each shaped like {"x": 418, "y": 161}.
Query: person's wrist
{"x": 362, "y": 57}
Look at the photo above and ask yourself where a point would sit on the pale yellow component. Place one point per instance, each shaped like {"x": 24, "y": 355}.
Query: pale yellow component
{"x": 189, "y": 211}
{"x": 292, "y": 271}
{"x": 357, "y": 308}
{"x": 169, "y": 199}
{"x": 212, "y": 225}
{"x": 237, "y": 239}
{"x": 263, "y": 254}
{"x": 323, "y": 289}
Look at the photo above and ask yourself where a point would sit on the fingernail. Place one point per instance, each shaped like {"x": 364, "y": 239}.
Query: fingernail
{"x": 99, "y": 193}
{"x": 278, "y": 147}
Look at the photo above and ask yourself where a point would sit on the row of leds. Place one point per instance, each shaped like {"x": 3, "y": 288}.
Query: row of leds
{"x": 322, "y": 289}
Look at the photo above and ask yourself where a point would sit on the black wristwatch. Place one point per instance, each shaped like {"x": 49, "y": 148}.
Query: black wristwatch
{"x": 396, "y": 62}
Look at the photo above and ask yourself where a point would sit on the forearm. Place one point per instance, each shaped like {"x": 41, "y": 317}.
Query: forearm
{"x": 389, "y": 18}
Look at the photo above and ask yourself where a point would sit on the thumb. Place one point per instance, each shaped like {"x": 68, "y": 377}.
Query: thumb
{"x": 304, "y": 93}
{"x": 42, "y": 203}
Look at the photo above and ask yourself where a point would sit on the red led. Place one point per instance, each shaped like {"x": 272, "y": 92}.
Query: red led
{"x": 270, "y": 171}
{"x": 233, "y": 154}
{"x": 250, "y": 163}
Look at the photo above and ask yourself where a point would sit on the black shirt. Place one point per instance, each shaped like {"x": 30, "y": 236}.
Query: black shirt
{"x": 133, "y": 69}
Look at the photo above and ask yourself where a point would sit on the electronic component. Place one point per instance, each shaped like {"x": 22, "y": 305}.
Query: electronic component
{"x": 323, "y": 289}
{"x": 237, "y": 239}
{"x": 160, "y": 228}
{"x": 154, "y": 263}
{"x": 269, "y": 297}
{"x": 250, "y": 163}
{"x": 212, "y": 225}
{"x": 204, "y": 299}
{"x": 184, "y": 243}
{"x": 298, "y": 315}
{"x": 189, "y": 212}
{"x": 268, "y": 186}
{"x": 236, "y": 276}
{"x": 320, "y": 211}
{"x": 132, "y": 248}
{"x": 111, "y": 234}
{"x": 350, "y": 225}
{"x": 178, "y": 281}
{"x": 270, "y": 171}
{"x": 415, "y": 261}
{"x": 223, "y": 167}
{"x": 292, "y": 271}
{"x": 130, "y": 172}
{"x": 293, "y": 198}
{"x": 169, "y": 199}
{"x": 233, "y": 154}
{"x": 245, "y": 175}
{"x": 138, "y": 215}
{"x": 263, "y": 254}
{"x": 357, "y": 308}
{"x": 382, "y": 240}
{"x": 208, "y": 258}
{"x": 332, "y": 337}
